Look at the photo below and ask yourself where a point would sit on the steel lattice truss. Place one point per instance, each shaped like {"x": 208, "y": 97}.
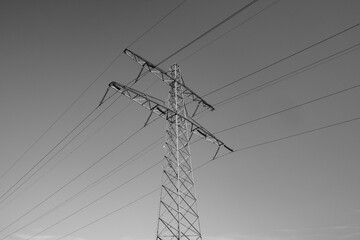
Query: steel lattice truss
{"x": 166, "y": 77}
{"x": 157, "y": 106}
{"x": 178, "y": 217}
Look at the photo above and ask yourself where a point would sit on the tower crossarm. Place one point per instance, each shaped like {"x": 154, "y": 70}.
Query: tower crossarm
{"x": 165, "y": 77}
{"x": 158, "y": 107}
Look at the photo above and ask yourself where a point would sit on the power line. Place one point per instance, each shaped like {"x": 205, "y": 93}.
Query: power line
{"x": 290, "y": 108}
{"x": 239, "y": 125}
{"x": 221, "y": 156}
{"x": 299, "y": 105}
{"x": 291, "y": 74}
{"x": 93, "y": 184}
{"x": 293, "y": 135}
{"x": 83, "y": 142}
{"x": 62, "y": 148}
{"x": 84, "y": 170}
{"x": 73, "y": 179}
{"x": 71, "y": 152}
{"x": 206, "y": 163}
{"x": 286, "y": 76}
{"x": 283, "y": 77}
{"x": 87, "y": 88}
{"x": 209, "y": 30}
{"x": 96, "y": 200}
{"x": 205, "y": 33}
{"x": 287, "y": 109}
{"x": 157, "y": 23}
{"x": 111, "y": 213}
{"x": 28, "y": 172}
{"x": 283, "y": 59}
{"x": 237, "y": 150}
{"x": 200, "y": 36}
{"x": 230, "y": 30}
{"x": 227, "y": 129}
{"x": 158, "y": 140}
{"x": 132, "y": 83}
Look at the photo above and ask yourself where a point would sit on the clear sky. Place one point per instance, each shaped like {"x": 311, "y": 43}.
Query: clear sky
{"x": 305, "y": 187}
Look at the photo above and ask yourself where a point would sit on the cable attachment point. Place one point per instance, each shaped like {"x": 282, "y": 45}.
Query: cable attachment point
{"x": 216, "y": 153}
{"x": 147, "y": 120}
{"x": 103, "y": 99}
{"x": 197, "y": 107}
{"x": 139, "y": 75}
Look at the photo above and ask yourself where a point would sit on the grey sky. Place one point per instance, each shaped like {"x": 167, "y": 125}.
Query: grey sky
{"x": 300, "y": 188}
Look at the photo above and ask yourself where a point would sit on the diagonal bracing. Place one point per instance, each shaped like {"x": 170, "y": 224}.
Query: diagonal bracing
{"x": 158, "y": 107}
{"x": 167, "y": 78}
{"x": 178, "y": 217}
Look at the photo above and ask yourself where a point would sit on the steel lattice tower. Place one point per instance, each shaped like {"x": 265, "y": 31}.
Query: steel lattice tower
{"x": 178, "y": 217}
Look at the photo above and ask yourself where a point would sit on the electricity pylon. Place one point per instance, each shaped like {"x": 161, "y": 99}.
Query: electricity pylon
{"x": 178, "y": 217}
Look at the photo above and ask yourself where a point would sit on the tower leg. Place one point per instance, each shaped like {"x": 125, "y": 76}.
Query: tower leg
{"x": 178, "y": 217}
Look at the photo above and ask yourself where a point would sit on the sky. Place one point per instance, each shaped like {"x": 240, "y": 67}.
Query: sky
{"x": 283, "y": 182}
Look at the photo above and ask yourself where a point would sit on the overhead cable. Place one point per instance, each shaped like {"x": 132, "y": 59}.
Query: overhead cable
{"x": 290, "y": 108}
{"x": 209, "y": 30}
{"x": 72, "y": 180}
{"x": 248, "y": 147}
{"x": 143, "y": 74}
{"x": 42, "y": 159}
{"x": 284, "y": 58}
{"x": 81, "y": 143}
{"x": 205, "y": 33}
{"x": 228, "y": 31}
{"x": 87, "y": 88}
{"x": 291, "y": 74}
{"x": 116, "y": 169}
{"x": 291, "y": 136}
{"x": 14, "y": 188}
{"x": 206, "y": 163}
{"x": 96, "y": 200}
{"x": 239, "y": 125}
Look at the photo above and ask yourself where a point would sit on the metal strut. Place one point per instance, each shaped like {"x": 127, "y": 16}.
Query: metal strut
{"x": 166, "y": 77}
{"x": 157, "y": 106}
